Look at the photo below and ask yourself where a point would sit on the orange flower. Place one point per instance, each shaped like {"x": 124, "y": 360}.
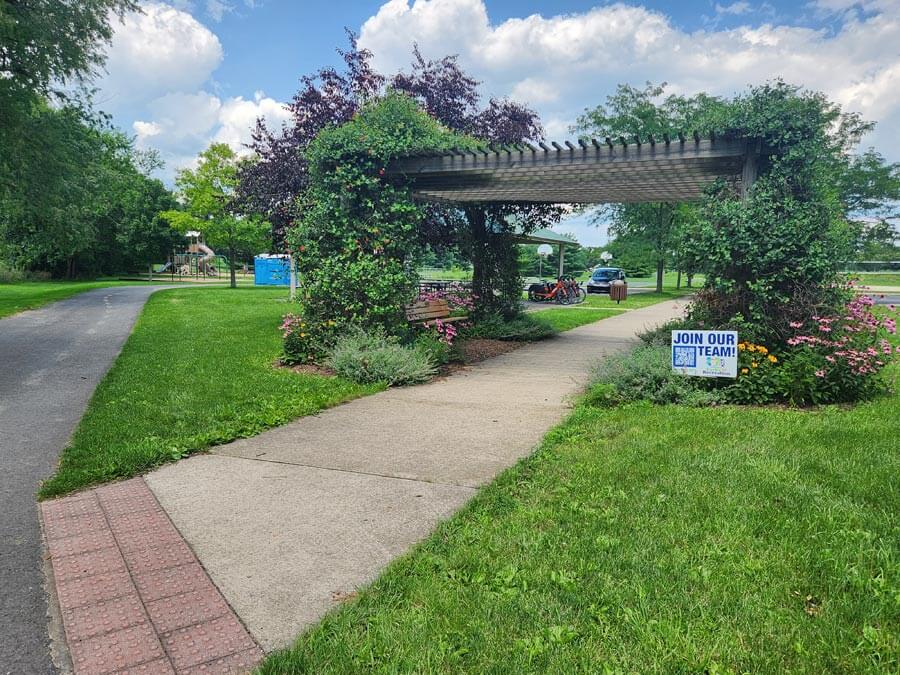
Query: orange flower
{"x": 744, "y": 371}
{"x": 772, "y": 358}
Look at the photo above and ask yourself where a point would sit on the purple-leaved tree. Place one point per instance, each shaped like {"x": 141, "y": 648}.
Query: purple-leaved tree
{"x": 271, "y": 184}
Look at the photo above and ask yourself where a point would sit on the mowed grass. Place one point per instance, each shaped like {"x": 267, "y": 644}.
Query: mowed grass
{"x": 24, "y": 295}
{"x": 569, "y": 318}
{"x": 878, "y": 278}
{"x": 197, "y": 371}
{"x": 652, "y": 539}
{"x": 635, "y": 300}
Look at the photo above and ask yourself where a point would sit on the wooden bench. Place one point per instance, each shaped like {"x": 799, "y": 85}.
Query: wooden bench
{"x": 428, "y": 312}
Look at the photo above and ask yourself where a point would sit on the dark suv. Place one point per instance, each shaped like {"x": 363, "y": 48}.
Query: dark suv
{"x": 602, "y": 277}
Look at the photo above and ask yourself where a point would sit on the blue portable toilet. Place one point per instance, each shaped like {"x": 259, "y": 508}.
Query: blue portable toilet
{"x": 271, "y": 269}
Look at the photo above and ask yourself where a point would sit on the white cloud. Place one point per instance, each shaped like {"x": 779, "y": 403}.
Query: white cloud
{"x": 217, "y": 9}
{"x": 157, "y": 51}
{"x": 735, "y": 8}
{"x": 562, "y": 64}
{"x": 160, "y": 66}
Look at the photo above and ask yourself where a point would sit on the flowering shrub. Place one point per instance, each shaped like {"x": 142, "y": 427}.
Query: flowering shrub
{"x": 458, "y": 297}
{"x": 837, "y": 357}
{"x": 760, "y": 376}
{"x": 828, "y": 359}
{"x": 304, "y": 340}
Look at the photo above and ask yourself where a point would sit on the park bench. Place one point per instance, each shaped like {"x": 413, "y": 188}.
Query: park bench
{"x": 428, "y": 312}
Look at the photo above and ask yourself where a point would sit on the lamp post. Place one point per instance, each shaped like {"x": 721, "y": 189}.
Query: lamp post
{"x": 543, "y": 251}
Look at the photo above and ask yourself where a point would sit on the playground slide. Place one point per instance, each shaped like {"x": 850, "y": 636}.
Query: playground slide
{"x": 209, "y": 258}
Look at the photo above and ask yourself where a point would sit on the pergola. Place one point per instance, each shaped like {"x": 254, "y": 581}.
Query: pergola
{"x": 609, "y": 171}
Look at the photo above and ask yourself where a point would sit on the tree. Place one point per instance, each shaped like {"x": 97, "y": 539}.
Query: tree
{"x": 483, "y": 231}
{"x": 631, "y": 112}
{"x": 86, "y": 208}
{"x": 774, "y": 257}
{"x": 46, "y": 46}
{"x": 274, "y": 184}
{"x": 271, "y": 185}
{"x": 207, "y": 194}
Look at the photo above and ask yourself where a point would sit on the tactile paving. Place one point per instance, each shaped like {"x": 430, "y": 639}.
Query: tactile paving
{"x": 133, "y": 597}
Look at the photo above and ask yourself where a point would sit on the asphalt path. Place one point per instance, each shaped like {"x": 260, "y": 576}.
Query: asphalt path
{"x": 51, "y": 359}
{"x": 886, "y": 298}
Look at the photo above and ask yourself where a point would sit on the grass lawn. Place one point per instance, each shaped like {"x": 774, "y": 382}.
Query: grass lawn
{"x": 652, "y": 539}
{"x": 33, "y": 294}
{"x": 635, "y": 300}
{"x": 878, "y": 278}
{"x": 566, "y": 319}
{"x": 196, "y": 371}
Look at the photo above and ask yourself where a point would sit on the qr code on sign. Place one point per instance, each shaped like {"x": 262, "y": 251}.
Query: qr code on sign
{"x": 684, "y": 357}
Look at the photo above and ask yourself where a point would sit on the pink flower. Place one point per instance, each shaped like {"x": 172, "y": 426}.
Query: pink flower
{"x": 820, "y": 373}
{"x": 829, "y": 358}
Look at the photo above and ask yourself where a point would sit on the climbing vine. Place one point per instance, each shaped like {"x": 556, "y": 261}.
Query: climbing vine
{"x": 357, "y": 242}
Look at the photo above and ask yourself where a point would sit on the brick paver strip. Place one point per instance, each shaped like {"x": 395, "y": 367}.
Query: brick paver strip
{"x": 133, "y": 597}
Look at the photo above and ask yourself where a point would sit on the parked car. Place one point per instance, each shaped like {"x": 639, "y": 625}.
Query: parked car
{"x": 602, "y": 277}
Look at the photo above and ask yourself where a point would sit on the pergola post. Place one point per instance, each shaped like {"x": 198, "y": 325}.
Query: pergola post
{"x": 562, "y": 255}
{"x": 750, "y": 169}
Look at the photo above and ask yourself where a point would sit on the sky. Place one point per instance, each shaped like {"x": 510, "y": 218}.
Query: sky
{"x": 184, "y": 73}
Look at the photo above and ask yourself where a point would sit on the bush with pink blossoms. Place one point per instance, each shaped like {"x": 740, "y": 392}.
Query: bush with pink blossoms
{"x": 839, "y": 356}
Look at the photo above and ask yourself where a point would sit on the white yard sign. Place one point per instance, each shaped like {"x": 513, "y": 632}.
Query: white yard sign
{"x": 705, "y": 353}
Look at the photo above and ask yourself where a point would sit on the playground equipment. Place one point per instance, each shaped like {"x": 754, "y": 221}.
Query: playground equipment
{"x": 197, "y": 260}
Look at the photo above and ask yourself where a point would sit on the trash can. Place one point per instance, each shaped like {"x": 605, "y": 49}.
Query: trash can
{"x": 618, "y": 291}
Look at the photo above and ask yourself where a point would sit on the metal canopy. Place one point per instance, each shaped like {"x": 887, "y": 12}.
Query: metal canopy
{"x": 654, "y": 170}
{"x": 545, "y": 236}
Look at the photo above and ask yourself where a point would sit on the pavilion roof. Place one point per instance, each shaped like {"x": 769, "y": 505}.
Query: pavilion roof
{"x": 593, "y": 171}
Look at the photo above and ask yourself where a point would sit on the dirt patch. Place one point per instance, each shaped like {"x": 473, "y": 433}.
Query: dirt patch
{"x": 307, "y": 369}
{"x": 478, "y": 349}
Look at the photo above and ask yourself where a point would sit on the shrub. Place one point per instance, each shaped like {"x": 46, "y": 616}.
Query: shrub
{"x": 838, "y": 357}
{"x": 645, "y": 374}
{"x": 522, "y": 328}
{"x": 762, "y": 377}
{"x": 662, "y": 334}
{"x": 431, "y": 343}
{"x": 367, "y": 357}
{"x": 9, "y": 274}
{"x": 305, "y": 340}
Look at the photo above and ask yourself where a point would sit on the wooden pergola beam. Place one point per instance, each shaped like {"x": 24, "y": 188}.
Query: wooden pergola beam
{"x": 589, "y": 172}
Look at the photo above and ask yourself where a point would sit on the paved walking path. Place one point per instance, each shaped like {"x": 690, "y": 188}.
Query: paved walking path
{"x": 50, "y": 361}
{"x": 289, "y": 523}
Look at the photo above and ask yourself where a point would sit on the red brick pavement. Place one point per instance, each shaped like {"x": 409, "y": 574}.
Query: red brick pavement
{"x": 133, "y": 596}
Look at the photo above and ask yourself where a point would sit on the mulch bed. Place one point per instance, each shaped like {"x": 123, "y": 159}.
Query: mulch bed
{"x": 478, "y": 349}
{"x": 307, "y": 368}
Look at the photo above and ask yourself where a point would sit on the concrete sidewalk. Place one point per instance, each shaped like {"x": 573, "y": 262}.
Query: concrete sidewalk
{"x": 292, "y": 521}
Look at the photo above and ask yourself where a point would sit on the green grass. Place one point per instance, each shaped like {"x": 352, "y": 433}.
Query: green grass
{"x": 635, "y": 300}
{"x": 24, "y": 295}
{"x": 566, "y": 319}
{"x": 652, "y": 539}
{"x": 878, "y": 278}
{"x": 196, "y": 371}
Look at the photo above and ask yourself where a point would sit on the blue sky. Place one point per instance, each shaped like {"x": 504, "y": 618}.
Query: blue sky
{"x": 188, "y": 72}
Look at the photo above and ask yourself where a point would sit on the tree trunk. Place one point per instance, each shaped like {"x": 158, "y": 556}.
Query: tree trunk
{"x": 480, "y": 277}
{"x": 660, "y": 269}
{"x": 690, "y": 279}
{"x": 678, "y": 280}
{"x": 231, "y": 266}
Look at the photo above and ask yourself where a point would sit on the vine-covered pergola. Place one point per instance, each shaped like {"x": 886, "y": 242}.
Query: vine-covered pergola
{"x": 673, "y": 169}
